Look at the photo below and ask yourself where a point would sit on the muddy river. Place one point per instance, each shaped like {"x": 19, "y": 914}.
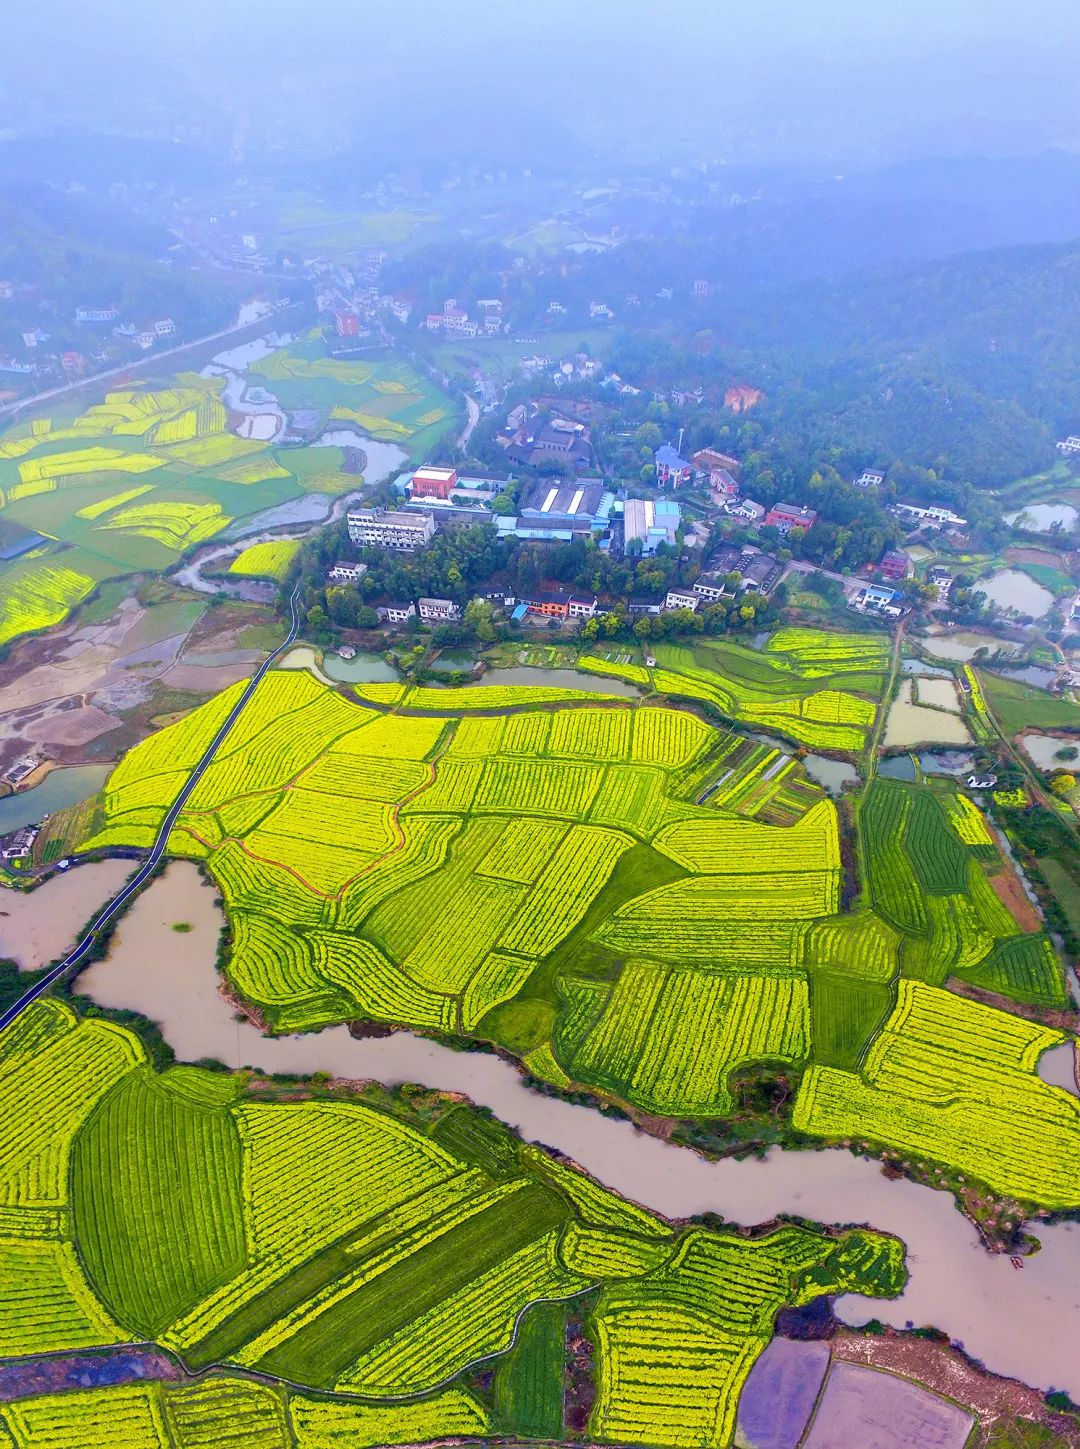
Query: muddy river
{"x": 39, "y": 928}
{"x": 977, "y": 1298}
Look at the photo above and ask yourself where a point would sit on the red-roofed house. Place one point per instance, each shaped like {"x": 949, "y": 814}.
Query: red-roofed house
{"x": 786, "y": 516}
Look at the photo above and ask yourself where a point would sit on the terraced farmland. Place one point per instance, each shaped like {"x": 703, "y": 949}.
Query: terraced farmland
{"x": 451, "y": 872}
{"x": 341, "y": 1243}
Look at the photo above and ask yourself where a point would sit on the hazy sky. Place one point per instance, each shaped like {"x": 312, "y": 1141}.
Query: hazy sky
{"x": 843, "y": 80}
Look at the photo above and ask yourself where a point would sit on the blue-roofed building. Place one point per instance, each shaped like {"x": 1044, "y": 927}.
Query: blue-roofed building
{"x": 671, "y": 467}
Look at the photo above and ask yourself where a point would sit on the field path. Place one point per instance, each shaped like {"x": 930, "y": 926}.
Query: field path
{"x": 158, "y": 849}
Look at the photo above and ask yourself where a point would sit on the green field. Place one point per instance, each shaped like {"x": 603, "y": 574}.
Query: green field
{"x": 1020, "y": 706}
{"x": 379, "y": 1245}
{"x": 387, "y": 400}
{"x": 816, "y": 688}
{"x": 138, "y": 480}
{"x": 625, "y": 897}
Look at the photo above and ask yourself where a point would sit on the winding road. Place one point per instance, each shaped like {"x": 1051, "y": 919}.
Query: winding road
{"x": 144, "y": 872}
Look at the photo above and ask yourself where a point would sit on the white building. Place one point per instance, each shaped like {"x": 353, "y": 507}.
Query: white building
{"x": 936, "y": 513}
{"x": 581, "y": 606}
{"x": 1070, "y": 445}
{"x": 870, "y": 478}
{"x": 347, "y": 573}
{"x": 439, "y": 609}
{"x": 682, "y": 599}
{"x": 386, "y": 528}
{"x": 391, "y": 613}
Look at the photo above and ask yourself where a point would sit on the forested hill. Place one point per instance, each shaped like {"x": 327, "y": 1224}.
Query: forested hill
{"x": 71, "y": 250}
{"x": 970, "y": 365}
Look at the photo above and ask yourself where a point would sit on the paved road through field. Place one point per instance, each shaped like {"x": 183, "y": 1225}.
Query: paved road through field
{"x": 158, "y": 849}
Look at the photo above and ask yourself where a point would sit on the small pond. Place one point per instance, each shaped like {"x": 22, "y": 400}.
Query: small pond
{"x": 833, "y": 774}
{"x": 912, "y": 724}
{"x": 59, "y": 789}
{"x": 1043, "y": 748}
{"x": 964, "y": 644}
{"x": 897, "y": 767}
{"x": 560, "y": 679}
{"x": 1031, "y": 674}
{"x": 1042, "y": 517}
{"x": 382, "y": 458}
{"x": 921, "y": 667}
{"x": 449, "y": 660}
{"x": 1013, "y": 589}
{"x": 1058, "y": 1067}
{"x": 363, "y": 668}
{"x": 945, "y": 762}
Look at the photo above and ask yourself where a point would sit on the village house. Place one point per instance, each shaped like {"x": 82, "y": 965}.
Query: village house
{"x": 682, "y": 599}
{"x": 671, "y": 467}
{"x": 1070, "y": 445}
{"x": 548, "y": 603}
{"x": 390, "y": 612}
{"x": 19, "y": 845}
{"x": 712, "y": 460}
{"x": 942, "y": 580}
{"x": 878, "y": 599}
{"x": 438, "y": 610}
{"x": 870, "y": 478}
{"x": 84, "y": 315}
{"x": 895, "y": 564}
{"x": 385, "y": 528}
{"x": 637, "y": 608}
{"x": 786, "y": 516}
{"x": 936, "y": 514}
{"x": 747, "y": 509}
{"x": 346, "y": 573}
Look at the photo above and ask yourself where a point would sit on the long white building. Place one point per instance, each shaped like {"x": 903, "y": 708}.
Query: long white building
{"x": 385, "y": 528}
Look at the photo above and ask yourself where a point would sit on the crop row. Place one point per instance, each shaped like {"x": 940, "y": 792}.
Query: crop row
{"x": 488, "y": 696}
{"x": 229, "y": 1413}
{"x": 859, "y": 945}
{"x": 497, "y": 979}
{"x": 713, "y": 940}
{"x": 522, "y": 850}
{"x": 53, "y": 1071}
{"x": 736, "y": 897}
{"x": 456, "y": 939}
{"x": 577, "y": 873}
{"x": 669, "y": 1040}
{"x": 156, "y": 1208}
{"x": 967, "y": 819}
{"x": 667, "y": 1378}
{"x": 267, "y": 560}
{"x": 317, "y": 1165}
{"x": 953, "y": 1081}
{"x": 46, "y": 1304}
{"x": 36, "y": 594}
{"x": 636, "y": 673}
{"x": 721, "y": 846}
